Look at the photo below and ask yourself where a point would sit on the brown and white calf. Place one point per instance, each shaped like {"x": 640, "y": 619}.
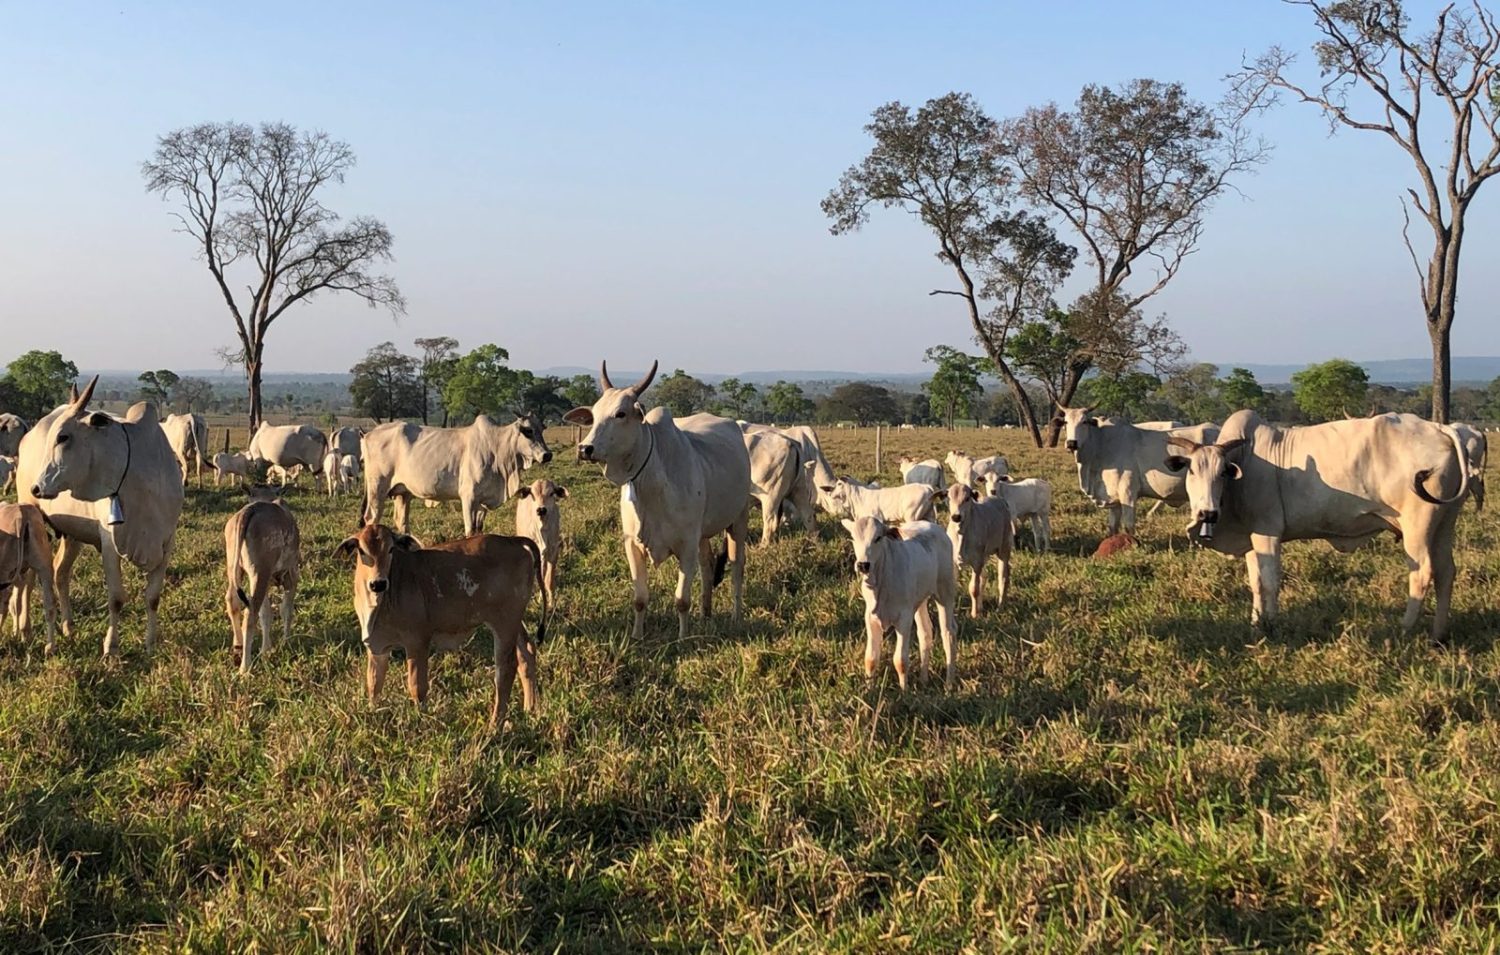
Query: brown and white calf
{"x": 423, "y": 599}
{"x": 979, "y": 531}
{"x": 901, "y": 569}
{"x": 26, "y": 557}
{"x": 261, "y": 546}
{"x": 539, "y": 518}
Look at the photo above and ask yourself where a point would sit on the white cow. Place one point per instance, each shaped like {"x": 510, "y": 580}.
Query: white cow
{"x": 928, "y": 472}
{"x": 806, "y": 493}
{"x": 261, "y": 549}
{"x": 979, "y": 531}
{"x": 339, "y": 472}
{"x": 1119, "y": 463}
{"x": 188, "y": 436}
{"x": 12, "y": 429}
{"x": 72, "y": 464}
{"x": 1344, "y": 482}
{"x": 233, "y": 465}
{"x": 682, "y": 482}
{"x": 972, "y": 471}
{"x": 478, "y": 465}
{"x": 901, "y": 569}
{"x": 1030, "y": 502}
{"x": 775, "y": 472}
{"x": 288, "y": 445}
{"x": 345, "y": 441}
{"x": 908, "y": 502}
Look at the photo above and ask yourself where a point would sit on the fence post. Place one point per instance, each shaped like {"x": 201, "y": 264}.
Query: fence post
{"x": 877, "y": 448}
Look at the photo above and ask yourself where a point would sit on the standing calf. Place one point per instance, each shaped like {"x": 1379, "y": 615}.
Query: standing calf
{"x": 539, "y": 518}
{"x": 900, "y": 569}
{"x": 420, "y": 600}
{"x": 980, "y": 530}
{"x": 1028, "y": 500}
{"x": 26, "y": 554}
{"x": 261, "y": 544}
{"x": 908, "y": 502}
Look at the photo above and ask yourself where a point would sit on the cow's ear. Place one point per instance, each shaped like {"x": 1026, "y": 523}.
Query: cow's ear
{"x": 1234, "y": 470}
{"x": 848, "y": 525}
{"x": 640, "y": 413}
{"x": 580, "y": 416}
{"x": 99, "y": 419}
{"x": 408, "y": 542}
{"x": 1232, "y": 445}
{"x": 561, "y": 493}
{"x": 826, "y": 488}
{"x": 1176, "y": 462}
{"x": 524, "y": 492}
{"x": 346, "y": 547}
{"x": 893, "y": 532}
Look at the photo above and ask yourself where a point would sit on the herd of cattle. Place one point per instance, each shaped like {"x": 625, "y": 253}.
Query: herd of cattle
{"x": 116, "y": 483}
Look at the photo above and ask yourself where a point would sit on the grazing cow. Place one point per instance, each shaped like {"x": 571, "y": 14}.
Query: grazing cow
{"x": 1477, "y": 450}
{"x": 682, "y": 482}
{"x": 1343, "y": 482}
{"x": 1114, "y": 544}
{"x": 819, "y": 473}
{"x": 288, "y": 445}
{"x": 283, "y": 476}
{"x": 232, "y": 465}
{"x": 478, "y": 465}
{"x": 971, "y": 471}
{"x": 12, "y": 429}
{"x": 901, "y": 569}
{"x": 7, "y": 473}
{"x": 539, "y": 518}
{"x": 847, "y": 497}
{"x": 112, "y": 483}
{"x": 775, "y": 472}
{"x": 434, "y": 598}
{"x": 188, "y": 436}
{"x": 26, "y": 558}
{"x": 1030, "y": 501}
{"x": 1119, "y": 463}
{"x": 345, "y": 441}
{"x": 261, "y": 546}
{"x": 928, "y": 472}
{"x": 980, "y": 530}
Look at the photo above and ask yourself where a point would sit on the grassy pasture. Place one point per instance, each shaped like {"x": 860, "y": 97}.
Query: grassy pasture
{"x": 1127, "y": 765}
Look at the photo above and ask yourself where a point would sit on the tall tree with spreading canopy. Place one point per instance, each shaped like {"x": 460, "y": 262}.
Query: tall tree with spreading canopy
{"x": 435, "y": 361}
{"x": 482, "y": 383}
{"x": 1435, "y": 95}
{"x": 1333, "y": 389}
{"x": 937, "y": 163}
{"x": 38, "y": 381}
{"x": 786, "y": 404}
{"x": 158, "y": 386}
{"x": 1132, "y": 172}
{"x": 954, "y": 387}
{"x": 384, "y": 384}
{"x": 251, "y": 200}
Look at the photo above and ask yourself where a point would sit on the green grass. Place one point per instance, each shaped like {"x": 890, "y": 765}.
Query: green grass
{"x": 1127, "y": 765}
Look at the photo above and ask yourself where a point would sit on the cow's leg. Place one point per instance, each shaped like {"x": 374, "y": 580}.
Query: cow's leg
{"x": 976, "y": 590}
{"x": 640, "y": 580}
{"x": 503, "y": 632}
{"x": 375, "y": 666}
{"x": 400, "y": 511}
{"x": 156, "y": 582}
{"x": 1002, "y": 578}
{"x": 288, "y": 598}
{"x": 902, "y": 656}
{"x": 947, "y": 597}
{"x": 1127, "y": 516}
{"x": 1264, "y": 564}
{"x": 687, "y": 569}
{"x": 1042, "y": 520}
{"x": 1114, "y": 519}
{"x": 873, "y": 634}
{"x": 416, "y": 675}
{"x": 1416, "y": 538}
{"x": 923, "y": 619}
{"x": 68, "y": 550}
{"x": 115, "y": 587}
{"x": 470, "y": 512}
{"x": 235, "y": 610}
{"x": 549, "y": 578}
{"x": 738, "y": 536}
{"x": 531, "y": 692}
{"x": 706, "y": 587}
{"x": 43, "y": 574}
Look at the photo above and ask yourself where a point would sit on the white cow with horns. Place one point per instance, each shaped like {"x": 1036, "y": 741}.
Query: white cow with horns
{"x": 682, "y": 482}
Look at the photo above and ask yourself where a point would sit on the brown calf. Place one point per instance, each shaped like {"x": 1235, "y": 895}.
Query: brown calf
{"x": 26, "y": 555}
{"x": 261, "y": 543}
{"x": 424, "y": 599}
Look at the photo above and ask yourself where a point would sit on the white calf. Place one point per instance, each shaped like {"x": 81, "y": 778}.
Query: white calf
{"x": 900, "y": 569}
{"x": 539, "y": 517}
{"x": 928, "y": 472}
{"x": 849, "y": 498}
{"x": 980, "y": 530}
{"x": 1029, "y": 500}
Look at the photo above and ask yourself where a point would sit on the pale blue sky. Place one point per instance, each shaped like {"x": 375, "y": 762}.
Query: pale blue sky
{"x": 630, "y": 181}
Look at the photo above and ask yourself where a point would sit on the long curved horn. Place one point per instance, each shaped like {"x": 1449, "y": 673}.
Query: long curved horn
{"x": 1186, "y": 444}
{"x": 645, "y": 382}
{"x": 82, "y": 401}
{"x": 604, "y": 383}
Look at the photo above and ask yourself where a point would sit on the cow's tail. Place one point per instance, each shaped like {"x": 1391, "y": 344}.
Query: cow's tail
{"x": 1418, "y": 484}
{"x": 536, "y": 568}
{"x": 721, "y": 561}
{"x": 236, "y": 547}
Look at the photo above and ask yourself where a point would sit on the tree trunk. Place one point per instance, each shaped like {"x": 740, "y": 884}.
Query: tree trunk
{"x": 252, "y": 376}
{"x": 1441, "y": 362}
{"x": 1072, "y": 378}
{"x": 1442, "y": 292}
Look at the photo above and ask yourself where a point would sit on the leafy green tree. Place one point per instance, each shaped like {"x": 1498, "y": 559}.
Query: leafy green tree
{"x": 482, "y": 383}
{"x": 435, "y": 360}
{"x": 1239, "y": 389}
{"x": 858, "y": 401}
{"x": 786, "y": 403}
{"x": 1196, "y": 393}
{"x": 939, "y": 164}
{"x": 157, "y": 386}
{"x": 384, "y": 384}
{"x": 39, "y": 381}
{"x": 1333, "y": 389}
{"x": 682, "y": 394}
{"x": 542, "y": 395}
{"x": 954, "y": 388}
{"x": 1489, "y": 405}
{"x": 1129, "y": 394}
{"x": 193, "y": 394}
{"x": 581, "y": 391}
{"x": 737, "y": 399}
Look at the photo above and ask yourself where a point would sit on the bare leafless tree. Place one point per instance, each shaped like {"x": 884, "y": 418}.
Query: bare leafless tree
{"x": 1132, "y": 172}
{"x": 251, "y": 198}
{"x": 1369, "y": 46}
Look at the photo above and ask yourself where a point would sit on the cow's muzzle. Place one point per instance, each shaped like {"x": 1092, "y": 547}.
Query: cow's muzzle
{"x": 38, "y": 493}
{"x": 586, "y": 452}
{"x": 862, "y": 566}
{"x": 958, "y": 518}
{"x": 379, "y": 585}
{"x": 1207, "y": 522}
{"x": 1071, "y": 445}
{"x": 541, "y": 512}
{"x": 546, "y": 456}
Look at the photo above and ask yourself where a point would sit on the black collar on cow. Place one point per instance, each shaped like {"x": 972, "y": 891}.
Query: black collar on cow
{"x": 652, "y": 435}
{"x": 121, "y": 482}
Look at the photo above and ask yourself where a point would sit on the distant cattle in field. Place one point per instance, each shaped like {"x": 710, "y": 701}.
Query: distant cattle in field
{"x": 973, "y": 471}
{"x": 7, "y": 473}
{"x": 188, "y": 436}
{"x": 900, "y": 571}
{"x": 12, "y": 429}
{"x": 775, "y": 472}
{"x": 288, "y": 445}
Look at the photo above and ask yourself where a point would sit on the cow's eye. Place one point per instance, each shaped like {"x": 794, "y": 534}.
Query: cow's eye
{"x": 62, "y": 439}
{"x": 619, "y": 414}
{"x": 526, "y": 432}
